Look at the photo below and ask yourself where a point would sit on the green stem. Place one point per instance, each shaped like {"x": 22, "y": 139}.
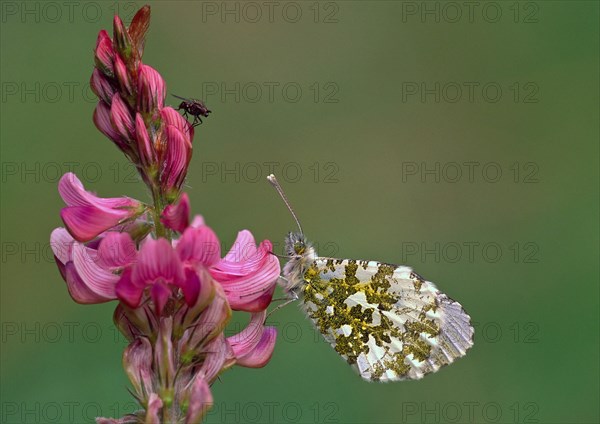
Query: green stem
{"x": 160, "y": 229}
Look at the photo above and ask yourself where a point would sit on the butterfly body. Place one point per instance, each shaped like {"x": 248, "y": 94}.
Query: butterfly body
{"x": 385, "y": 320}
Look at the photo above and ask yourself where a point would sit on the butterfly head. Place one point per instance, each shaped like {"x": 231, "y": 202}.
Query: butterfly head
{"x": 296, "y": 245}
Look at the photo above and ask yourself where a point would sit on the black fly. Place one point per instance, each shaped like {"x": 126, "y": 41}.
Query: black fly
{"x": 193, "y": 107}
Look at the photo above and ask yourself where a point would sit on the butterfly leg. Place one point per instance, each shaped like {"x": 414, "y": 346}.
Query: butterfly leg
{"x": 287, "y": 302}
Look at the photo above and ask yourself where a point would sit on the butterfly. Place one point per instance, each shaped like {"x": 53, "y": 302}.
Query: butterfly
{"x": 385, "y": 320}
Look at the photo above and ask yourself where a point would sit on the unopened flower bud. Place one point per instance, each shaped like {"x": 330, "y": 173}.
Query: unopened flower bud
{"x": 122, "y": 75}
{"x": 122, "y": 39}
{"x": 176, "y": 216}
{"x": 103, "y": 122}
{"x": 145, "y": 148}
{"x": 137, "y": 361}
{"x": 101, "y": 86}
{"x": 151, "y": 90}
{"x": 104, "y": 53}
{"x": 121, "y": 119}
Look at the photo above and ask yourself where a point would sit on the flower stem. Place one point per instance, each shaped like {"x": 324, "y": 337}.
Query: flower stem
{"x": 160, "y": 229}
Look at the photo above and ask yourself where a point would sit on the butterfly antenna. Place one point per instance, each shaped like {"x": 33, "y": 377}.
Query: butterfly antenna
{"x": 277, "y": 187}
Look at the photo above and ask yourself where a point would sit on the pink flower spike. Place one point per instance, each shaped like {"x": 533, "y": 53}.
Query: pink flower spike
{"x": 200, "y": 401}
{"x": 87, "y": 215}
{"x": 151, "y": 90}
{"x": 176, "y": 216}
{"x": 199, "y": 246}
{"x": 262, "y": 353}
{"x": 116, "y": 250}
{"x": 144, "y": 144}
{"x": 121, "y": 118}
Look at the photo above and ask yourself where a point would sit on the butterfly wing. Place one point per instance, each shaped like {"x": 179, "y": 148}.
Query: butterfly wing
{"x": 385, "y": 320}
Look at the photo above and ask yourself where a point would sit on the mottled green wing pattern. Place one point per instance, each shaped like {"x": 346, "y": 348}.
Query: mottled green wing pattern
{"x": 385, "y": 320}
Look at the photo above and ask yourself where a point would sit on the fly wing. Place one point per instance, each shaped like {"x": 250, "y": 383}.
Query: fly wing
{"x": 385, "y": 320}
{"x": 181, "y": 98}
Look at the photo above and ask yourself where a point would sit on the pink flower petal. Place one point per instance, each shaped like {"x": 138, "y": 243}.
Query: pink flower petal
{"x": 171, "y": 117}
{"x": 177, "y": 215}
{"x": 144, "y": 144}
{"x": 211, "y": 323}
{"x": 253, "y": 291}
{"x": 62, "y": 243}
{"x": 104, "y": 52}
{"x": 200, "y": 402}
{"x": 86, "y": 222}
{"x": 187, "y": 315}
{"x": 190, "y": 286}
{"x": 73, "y": 193}
{"x": 160, "y": 293}
{"x": 263, "y": 351}
{"x": 219, "y": 357}
{"x": 137, "y": 361}
{"x": 121, "y": 118}
{"x": 163, "y": 352}
{"x": 154, "y": 406}
{"x": 135, "y": 322}
{"x": 122, "y": 75}
{"x": 151, "y": 89}
{"x": 198, "y": 221}
{"x": 157, "y": 260}
{"x": 176, "y": 160}
{"x": 116, "y": 250}
{"x": 127, "y": 291}
{"x": 199, "y": 246}
{"x": 243, "y": 248}
{"x": 101, "y": 86}
{"x": 78, "y": 290}
{"x": 102, "y": 120}
{"x": 97, "y": 279}
{"x": 251, "y": 303}
{"x": 246, "y": 340}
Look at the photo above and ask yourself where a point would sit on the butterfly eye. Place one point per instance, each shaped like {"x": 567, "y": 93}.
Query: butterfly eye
{"x": 299, "y": 248}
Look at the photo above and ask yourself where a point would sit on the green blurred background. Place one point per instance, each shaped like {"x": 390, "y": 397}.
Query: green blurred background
{"x": 366, "y": 128}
